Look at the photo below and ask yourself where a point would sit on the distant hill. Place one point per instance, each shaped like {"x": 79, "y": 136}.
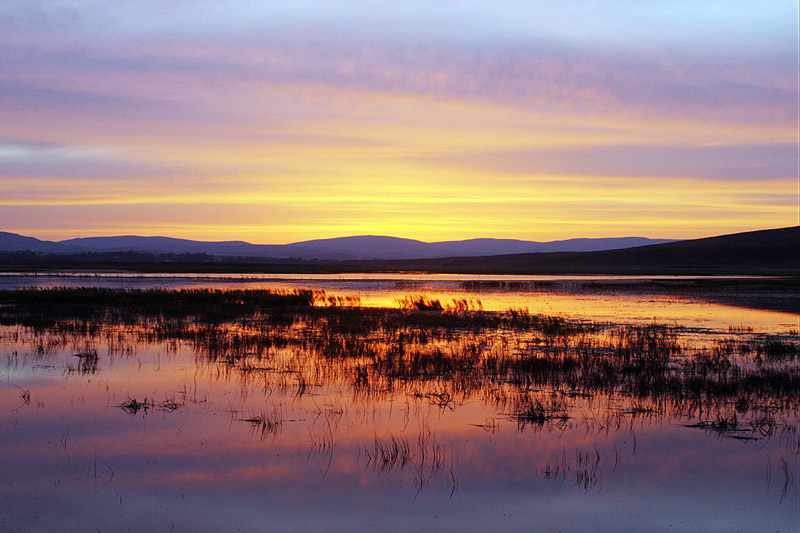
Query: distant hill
{"x": 775, "y": 251}
{"x": 11, "y": 242}
{"x": 337, "y": 249}
{"x": 378, "y": 247}
{"x": 766, "y": 252}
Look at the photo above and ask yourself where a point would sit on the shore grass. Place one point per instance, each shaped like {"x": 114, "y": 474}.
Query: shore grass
{"x": 44, "y": 306}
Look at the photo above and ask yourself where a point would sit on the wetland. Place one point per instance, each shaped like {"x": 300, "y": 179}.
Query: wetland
{"x": 407, "y": 403}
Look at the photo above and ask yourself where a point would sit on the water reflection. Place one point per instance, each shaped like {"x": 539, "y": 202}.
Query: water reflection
{"x": 348, "y": 418}
{"x": 703, "y": 301}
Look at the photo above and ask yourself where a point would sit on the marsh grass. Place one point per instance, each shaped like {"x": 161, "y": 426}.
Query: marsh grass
{"x": 537, "y": 411}
{"x": 778, "y": 349}
{"x": 87, "y": 362}
{"x": 536, "y": 369}
{"x": 425, "y": 455}
{"x": 583, "y": 467}
{"x": 266, "y": 423}
{"x": 45, "y": 307}
{"x": 132, "y": 406}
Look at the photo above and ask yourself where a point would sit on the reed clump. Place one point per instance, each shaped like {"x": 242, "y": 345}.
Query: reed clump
{"x": 267, "y": 422}
{"x": 45, "y": 307}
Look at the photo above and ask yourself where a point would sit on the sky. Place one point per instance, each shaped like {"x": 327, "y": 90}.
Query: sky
{"x": 277, "y": 122}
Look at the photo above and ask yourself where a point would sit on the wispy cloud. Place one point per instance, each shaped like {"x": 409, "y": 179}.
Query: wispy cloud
{"x": 762, "y": 163}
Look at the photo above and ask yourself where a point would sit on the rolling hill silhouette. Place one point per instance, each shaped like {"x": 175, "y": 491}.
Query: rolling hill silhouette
{"x": 337, "y": 249}
{"x": 774, "y": 251}
{"x": 765, "y": 252}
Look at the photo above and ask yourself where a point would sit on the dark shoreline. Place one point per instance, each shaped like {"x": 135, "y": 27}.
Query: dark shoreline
{"x": 56, "y": 265}
{"x": 781, "y": 294}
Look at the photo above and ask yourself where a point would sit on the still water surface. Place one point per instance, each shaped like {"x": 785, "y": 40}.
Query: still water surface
{"x": 544, "y": 294}
{"x": 289, "y": 437}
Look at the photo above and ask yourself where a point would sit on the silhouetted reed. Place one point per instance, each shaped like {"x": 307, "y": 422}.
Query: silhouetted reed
{"x": 425, "y": 455}
{"x": 267, "y": 422}
{"x": 584, "y": 465}
{"x": 132, "y": 406}
{"x": 87, "y": 362}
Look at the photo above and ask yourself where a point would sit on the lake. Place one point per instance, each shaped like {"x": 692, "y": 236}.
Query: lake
{"x": 414, "y": 402}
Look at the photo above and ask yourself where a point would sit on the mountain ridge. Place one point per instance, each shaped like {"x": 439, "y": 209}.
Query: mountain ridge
{"x": 357, "y": 247}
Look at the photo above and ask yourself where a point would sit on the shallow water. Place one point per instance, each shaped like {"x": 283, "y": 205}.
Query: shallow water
{"x": 538, "y": 294}
{"x": 282, "y": 438}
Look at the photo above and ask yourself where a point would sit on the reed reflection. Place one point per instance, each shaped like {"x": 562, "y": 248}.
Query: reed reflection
{"x": 441, "y": 398}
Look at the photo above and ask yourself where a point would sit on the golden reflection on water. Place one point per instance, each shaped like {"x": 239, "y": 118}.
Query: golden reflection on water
{"x": 612, "y": 308}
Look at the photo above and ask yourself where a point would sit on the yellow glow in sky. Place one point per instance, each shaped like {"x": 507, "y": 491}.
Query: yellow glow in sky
{"x": 278, "y": 138}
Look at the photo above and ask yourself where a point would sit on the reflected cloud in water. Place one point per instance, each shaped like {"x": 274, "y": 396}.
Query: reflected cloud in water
{"x": 350, "y": 418}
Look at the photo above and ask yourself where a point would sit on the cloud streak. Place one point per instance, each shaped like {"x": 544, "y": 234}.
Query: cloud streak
{"x": 766, "y": 163}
